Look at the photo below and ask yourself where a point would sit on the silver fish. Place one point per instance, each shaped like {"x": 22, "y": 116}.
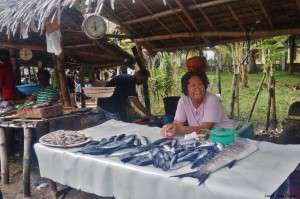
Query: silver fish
{"x": 144, "y": 141}
{"x": 232, "y": 153}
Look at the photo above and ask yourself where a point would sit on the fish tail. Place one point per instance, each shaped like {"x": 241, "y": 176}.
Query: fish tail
{"x": 195, "y": 174}
{"x": 202, "y": 178}
{"x": 191, "y": 174}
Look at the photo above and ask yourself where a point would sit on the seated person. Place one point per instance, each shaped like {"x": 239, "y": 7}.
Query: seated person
{"x": 197, "y": 109}
{"x": 45, "y": 91}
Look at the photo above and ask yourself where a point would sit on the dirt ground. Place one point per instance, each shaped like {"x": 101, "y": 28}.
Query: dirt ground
{"x": 14, "y": 190}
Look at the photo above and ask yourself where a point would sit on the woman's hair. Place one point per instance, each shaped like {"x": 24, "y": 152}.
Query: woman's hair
{"x": 187, "y": 76}
{"x": 44, "y": 73}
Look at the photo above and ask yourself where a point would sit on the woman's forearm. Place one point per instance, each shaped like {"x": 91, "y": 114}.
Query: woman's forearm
{"x": 188, "y": 129}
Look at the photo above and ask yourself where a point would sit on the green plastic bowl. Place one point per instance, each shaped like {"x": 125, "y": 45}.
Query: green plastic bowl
{"x": 223, "y": 135}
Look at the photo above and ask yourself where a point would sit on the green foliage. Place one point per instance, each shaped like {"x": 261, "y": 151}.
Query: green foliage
{"x": 223, "y": 53}
{"x": 164, "y": 81}
{"x": 273, "y": 48}
{"x": 285, "y": 95}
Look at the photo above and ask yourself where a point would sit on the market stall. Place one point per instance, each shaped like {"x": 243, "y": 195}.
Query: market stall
{"x": 68, "y": 121}
{"x": 252, "y": 177}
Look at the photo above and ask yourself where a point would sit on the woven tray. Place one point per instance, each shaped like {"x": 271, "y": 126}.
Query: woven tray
{"x": 99, "y": 92}
{"x": 40, "y": 112}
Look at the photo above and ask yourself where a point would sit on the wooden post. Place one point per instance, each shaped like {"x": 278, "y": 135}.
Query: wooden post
{"x": 145, "y": 85}
{"x": 292, "y": 41}
{"x": 233, "y": 94}
{"x": 53, "y": 189}
{"x": 237, "y": 95}
{"x": 273, "y": 104}
{"x": 269, "y": 104}
{"x": 63, "y": 80}
{"x": 82, "y": 95}
{"x": 27, "y": 161}
{"x": 218, "y": 75}
{"x": 3, "y": 155}
{"x": 256, "y": 96}
{"x": 15, "y": 65}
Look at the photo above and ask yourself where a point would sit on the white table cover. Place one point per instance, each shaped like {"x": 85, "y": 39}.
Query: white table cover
{"x": 256, "y": 176}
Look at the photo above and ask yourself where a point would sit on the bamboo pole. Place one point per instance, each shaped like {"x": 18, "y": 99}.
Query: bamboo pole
{"x": 256, "y": 96}
{"x": 3, "y": 156}
{"x": 234, "y": 80}
{"x": 27, "y": 161}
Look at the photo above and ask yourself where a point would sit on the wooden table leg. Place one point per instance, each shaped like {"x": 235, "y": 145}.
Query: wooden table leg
{"x": 53, "y": 189}
{"x": 3, "y": 157}
{"x": 27, "y": 161}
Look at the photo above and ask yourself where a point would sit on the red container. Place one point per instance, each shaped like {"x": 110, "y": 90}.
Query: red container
{"x": 196, "y": 63}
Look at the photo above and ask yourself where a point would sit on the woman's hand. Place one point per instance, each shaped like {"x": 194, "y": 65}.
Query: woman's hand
{"x": 168, "y": 130}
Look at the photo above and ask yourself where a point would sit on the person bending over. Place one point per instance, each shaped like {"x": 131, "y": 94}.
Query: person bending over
{"x": 115, "y": 106}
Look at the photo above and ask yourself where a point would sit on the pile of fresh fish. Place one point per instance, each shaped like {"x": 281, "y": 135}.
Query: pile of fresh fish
{"x": 63, "y": 138}
{"x": 232, "y": 153}
{"x": 165, "y": 153}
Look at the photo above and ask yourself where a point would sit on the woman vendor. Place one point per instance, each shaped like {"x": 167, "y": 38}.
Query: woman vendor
{"x": 7, "y": 82}
{"x": 197, "y": 109}
{"x": 45, "y": 91}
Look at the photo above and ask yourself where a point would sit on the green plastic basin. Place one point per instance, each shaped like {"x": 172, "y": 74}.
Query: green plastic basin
{"x": 223, "y": 135}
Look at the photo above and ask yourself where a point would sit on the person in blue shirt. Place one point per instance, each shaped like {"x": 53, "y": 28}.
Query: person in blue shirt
{"x": 115, "y": 106}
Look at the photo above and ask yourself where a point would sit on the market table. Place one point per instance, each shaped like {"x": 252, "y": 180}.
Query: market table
{"x": 257, "y": 176}
{"x": 69, "y": 121}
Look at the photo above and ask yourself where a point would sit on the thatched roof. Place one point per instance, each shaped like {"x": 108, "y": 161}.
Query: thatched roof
{"x": 187, "y": 24}
{"x": 170, "y": 25}
{"x": 77, "y": 46}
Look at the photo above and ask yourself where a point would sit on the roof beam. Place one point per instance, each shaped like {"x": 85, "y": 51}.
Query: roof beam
{"x": 187, "y": 14}
{"x": 191, "y": 20}
{"x": 177, "y": 10}
{"x": 126, "y": 28}
{"x": 205, "y": 16}
{"x": 79, "y": 46}
{"x": 255, "y": 34}
{"x": 197, "y": 46}
{"x": 66, "y": 51}
{"x": 235, "y": 17}
{"x": 158, "y": 20}
{"x": 74, "y": 33}
{"x": 136, "y": 16}
{"x": 265, "y": 13}
{"x": 19, "y": 46}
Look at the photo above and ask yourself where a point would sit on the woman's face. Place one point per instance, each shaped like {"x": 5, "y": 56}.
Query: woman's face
{"x": 196, "y": 89}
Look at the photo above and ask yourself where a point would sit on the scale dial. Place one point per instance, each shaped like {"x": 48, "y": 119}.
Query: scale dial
{"x": 94, "y": 27}
{"x": 25, "y": 54}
